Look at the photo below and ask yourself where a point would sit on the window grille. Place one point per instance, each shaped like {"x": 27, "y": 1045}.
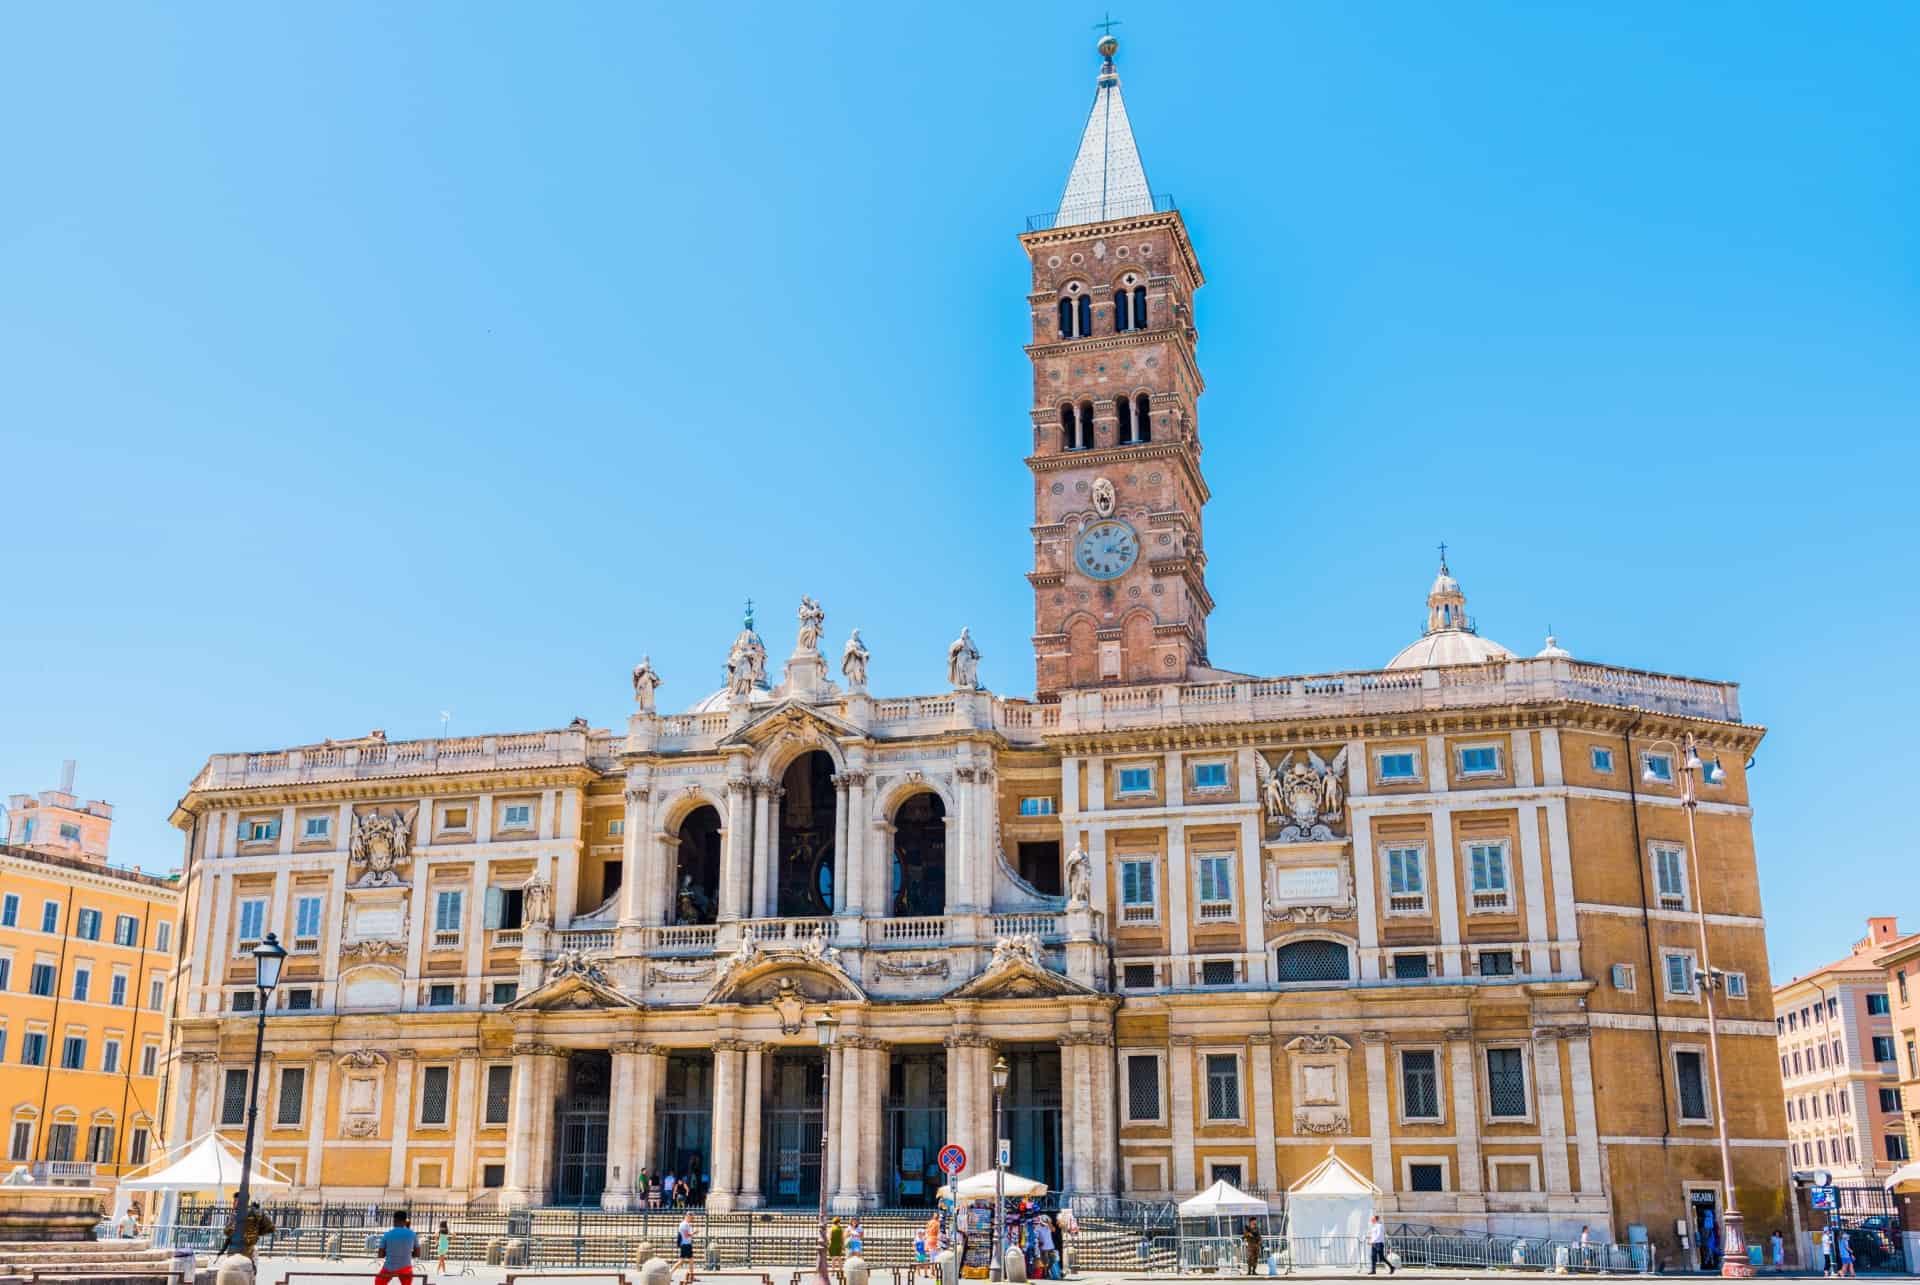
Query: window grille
{"x": 1137, "y": 977}
{"x": 1506, "y": 1084}
{"x": 1496, "y": 963}
{"x": 1419, "y": 1084}
{"x": 233, "y": 1097}
{"x": 499, "y": 1094}
{"x": 433, "y": 1094}
{"x": 293, "y": 1095}
{"x": 1218, "y": 972}
{"x": 1691, "y": 1073}
{"x": 1315, "y": 960}
{"x": 1410, "y": 968}
{"x": 1223, "y": 1087}
{"x": 1143, "y": 1087}
{"x": 1426, "y": 1178}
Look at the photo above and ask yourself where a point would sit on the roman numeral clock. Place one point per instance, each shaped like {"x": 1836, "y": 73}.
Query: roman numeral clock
{"x": 1106, "y": 549}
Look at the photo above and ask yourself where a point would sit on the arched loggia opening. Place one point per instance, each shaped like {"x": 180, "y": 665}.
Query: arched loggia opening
{"x": 807, "y": 815}
{"x": 919, "y": 877}
{"x": 696, "y": 876}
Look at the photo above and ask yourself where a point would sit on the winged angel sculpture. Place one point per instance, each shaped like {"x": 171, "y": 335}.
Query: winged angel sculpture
{"x": 1304, "y": 798}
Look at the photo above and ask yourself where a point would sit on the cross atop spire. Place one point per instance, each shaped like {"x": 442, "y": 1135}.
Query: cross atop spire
{"x": 1107, "y": 180}
{"x": 1107, "y": 24}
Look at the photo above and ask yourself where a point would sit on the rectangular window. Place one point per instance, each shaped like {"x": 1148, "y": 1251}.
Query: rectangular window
{"x": 317, "y": 828}
{"x": 306, "y": 920}
{"x": 1403, "y": 765}
{"x": 87, "y": 925}
{"x": 440, "y": 995}
{"x": 454, "y": 819}
{"x": 1488, "y": 863}
{"x": 1036, "y": 805}
{"x": 1406, "y": 880}
{"x": 1209, "y": 776}
{"x": 1215, "y": 877}
{"x": 446, "y": 910}
{"x": 1218, "y": 972}
{"x": 1889, "y": 1099}
{"x": 234, "y": 1096}
{"x": 1136, "y": 892}
{"x": 1410, "y": 968}
{"x": 110, "y": 1056}
{"x": 1883, "y": 1048}
{"x": 1901, "y": 978}
{"x": 293, "y": 1096}
{"x": 49, "y": 916}
{"x": 1736, "y": 985}
{"x": 20, "y": 1145}
{"x": 10, "y": 910}
{"x": 1506, "y": 1084}
{"x": 1689, "y": 1070}
{"x": 1419, "y": 1085}
{"x": 1602, "y": 759}
{"x": 504, "y": 908}
{"x": 492, "y": 1176}
{"x": 1896, "y": 1146}
{"x": 126, "y": 930}
{"x": 1622, "y": 977}
{"x": 505, "y": 992}
{"x": 82, "y": 983}
{"x": 60, "y": 1142}
{"x": 1796, "y": 1062}
{"x": 33, "y": 1048}
{"x": 1223, "y": 1086}
{"x": 150, "y": 1060}
{"x": 253, "y": 922}
{"x": 40, "y": 980}
{"x": 616, "y": 827}
{"x": 1136, "y": 780}
{"x": 1679, "y": 974}
{"x": 1670, "y": 875}
{"x": 243, "y": 1001}
{"x": 516, "y": 816}
{"x": 499, "y": 1094}
{"x": 69, "y": 832}
{"x": 1143, "y": 1087}
{"x": 157, "y": 993}
{"x": 163, "y": 937}
{"x": 1496, "y": 963}
{"x": 1657, "y": 768}
{"x": 1878, "y": 1005}
{"x": 1138, "y": 977}
{"x": 298, "y": 999}
{"x": 1480, "y": 760}
{"x": 73, "y": 1053}
{"x": 6, "y": 973}
{"x": 433, "y": 1094}
{"x": 137, "y": 1143}
{"x": 1426, "y": 1177}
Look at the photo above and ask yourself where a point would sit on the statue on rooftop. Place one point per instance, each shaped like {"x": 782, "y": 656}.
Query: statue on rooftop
{"x": 853, "y": 662}
{"x": 963, "y": 663}
{"x": 645, "y": 680}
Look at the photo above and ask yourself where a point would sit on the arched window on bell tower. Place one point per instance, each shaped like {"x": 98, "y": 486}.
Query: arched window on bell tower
{"x": 1066, "y": 317}
{"x": 1120, "y": 311}
{"x": 1123, "y": 416}
{"x": 1086, "y": 315}
{"x": 1069, "y": 440}
{"x": 1139, "y": 307}
{"x": 1086, "y": 425}
{"x": 1143, "y": 418}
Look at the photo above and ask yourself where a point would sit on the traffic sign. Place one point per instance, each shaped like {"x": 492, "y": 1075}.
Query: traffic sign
{"x": 953, "y": 1158}
{"x": 1006, "y": 1154}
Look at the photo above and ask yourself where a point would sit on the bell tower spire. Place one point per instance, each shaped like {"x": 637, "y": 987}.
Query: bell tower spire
{"x": 1119, "y": 566}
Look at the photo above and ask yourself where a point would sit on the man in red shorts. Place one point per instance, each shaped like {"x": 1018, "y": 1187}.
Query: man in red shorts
{"x": 399, "y": 1246}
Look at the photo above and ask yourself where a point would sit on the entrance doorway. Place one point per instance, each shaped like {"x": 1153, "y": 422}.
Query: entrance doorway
{"x": 684, "y": 1119}
{"x": 807, "y": 815}
{"x": 696, "y": 876}
{"x": 920, "y": 857}
{"x": 580, "y": 1133}
{"x": 916, "y": 1116}
{"x": 1701, "y": 1205}
{"x": 790, "y": 1128}
{"x": 1032, "y": 1106}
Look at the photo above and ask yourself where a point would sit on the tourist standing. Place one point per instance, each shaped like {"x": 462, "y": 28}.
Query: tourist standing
{"x": 398, "y": 1248}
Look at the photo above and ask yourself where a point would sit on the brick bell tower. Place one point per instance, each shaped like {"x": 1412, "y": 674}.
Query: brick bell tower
{"x": 1119, "y": 585}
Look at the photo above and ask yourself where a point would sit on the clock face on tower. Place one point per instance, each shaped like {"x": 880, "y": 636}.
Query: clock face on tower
{"x": 1106, "y": 549}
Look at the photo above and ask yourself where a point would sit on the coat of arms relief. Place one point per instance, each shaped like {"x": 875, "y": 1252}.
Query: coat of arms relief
{"x": 1303, "y": 804}
{"x": 380, "y": 845}
{"x": 1304, "y": 798}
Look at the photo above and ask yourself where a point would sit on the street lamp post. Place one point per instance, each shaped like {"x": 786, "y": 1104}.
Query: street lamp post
{"x": 1733, "y": 1238}
{"x": 825, "y": 1027}
{"x": 267, "y": 958}
{"x": 998, "y": 1269}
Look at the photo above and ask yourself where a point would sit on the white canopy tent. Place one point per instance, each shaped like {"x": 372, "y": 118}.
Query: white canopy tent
{"x": 1905, "y": 1175}
{"x": 981, "y": 1187}
{"x": 209, "y": 1164}
{"x": 1212, "y": 1225}
{"x": 1327, "y": 1214}
{"x": 1223, "y": 1200}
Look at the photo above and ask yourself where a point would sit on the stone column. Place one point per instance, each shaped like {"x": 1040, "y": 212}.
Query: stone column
{"x": 1366, "y": 880}
{"x": 402, "y": 1119}
{"x": 879, "y": 857}
{"x": 984, "y": 1053}
{"x": 986, "y": 836}
{"x": 846, "y": 895}
{"x": 1550, "y": 1106}
{"x": 968, "y": 850}
{"x": 1560, "y": 873}
{"x": 960, "y": 1121}
{"x": 1253, "y": 890}
{"x": 1586, "y": 1126}
{"x": 851, "y": 1108}
{"x": 763, "y": 849}
{"x": 751, "y": 1104}
{"x": 1105, "y": 1178}
{"x": 1179, "y": 935}
{"x": 830, "y": 1123}
{"x": 666, "y": 866}
{"x": 724, "y": 1161}
{"x": 1379, "y": 1109}
{"x": 1533, "y": 884}
{"x": 317, "y": 1128}
{"x": 770, "y": 877}
{"x": 860, "y": 861}
{"x": 625, "y": 1103}
{"x": 736, "y": 848}
{"x": 529, "y": 1061}
{"x": 537, "y": 1138}
{"x": 1076, "y": 1123}
{"x": 1180, "y": 1108}
{"x": 636, "y": 852}
{"x": 873, "y": 1138}
{"x": 467, "y": 1108}
{"x": 1466, "y": 1110}
{"x": 651, "y": 1075}
{"x": 1446, "y": 866}
{"x": 959, "y": 874}
{"x": 1266, "y": 1166}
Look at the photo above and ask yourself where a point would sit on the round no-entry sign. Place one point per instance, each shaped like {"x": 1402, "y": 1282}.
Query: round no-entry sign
{"x": 953, "y": 1158}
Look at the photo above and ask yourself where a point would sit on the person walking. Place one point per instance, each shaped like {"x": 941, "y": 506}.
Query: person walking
{"x": 440, "y": 1243}
{"x": 683, "y": 1242}
{"x": 398, "y": 1248}
{"x": 1377, "y": 1247}
{"x": 856, "y": 1240}
{"x": 1846, "y": 1253}
{"x": 1250, "y": 1244}
{"x": 1778, "y": 1245}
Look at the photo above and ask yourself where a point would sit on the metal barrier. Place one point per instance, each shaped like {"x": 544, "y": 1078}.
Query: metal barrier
{"x": 1322, "y": 1251}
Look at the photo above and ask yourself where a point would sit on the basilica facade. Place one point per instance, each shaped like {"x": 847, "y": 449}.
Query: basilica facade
{"x": 1437, "y": 915}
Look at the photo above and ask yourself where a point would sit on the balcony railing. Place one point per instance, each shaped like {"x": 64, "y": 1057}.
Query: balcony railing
{"x": 1047, "y": 927}
{"x": 587, "y": 939}
{"x": 918, "y": 928}
{"x": 681, "y": 939}
{"x": 1099, "y": 212}
{"x": 508, "y": 938}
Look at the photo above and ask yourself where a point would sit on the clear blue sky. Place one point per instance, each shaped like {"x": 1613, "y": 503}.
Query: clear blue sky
{"x": 361, "y": 362}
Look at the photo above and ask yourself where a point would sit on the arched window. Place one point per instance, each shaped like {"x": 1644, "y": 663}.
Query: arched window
{"x": 1067, "y": 439}
{"x": 1142, "y": 418}
{"x": 1119, "y": 311}
{"x": 1313, "y": 960}
{"x": 1086, "y": 425}
{"x": 1086, "y": 315}
{"x": 1066, "y": 317}
{"x": 1123, "y": 413}
{"x": 1139, "y": 307}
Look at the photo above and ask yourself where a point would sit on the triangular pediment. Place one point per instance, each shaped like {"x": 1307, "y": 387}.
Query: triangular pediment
{"x": 570, "y": 993}
{"x": 1019, "y": 978}
{"x": 790, "y": 715}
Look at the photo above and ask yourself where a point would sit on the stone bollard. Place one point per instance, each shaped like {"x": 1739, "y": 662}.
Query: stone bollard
{"x": 515, "y": 1254}
{"x": 654, "y": 1272}
{"x": 949, "y": 1267}
{"x": 1016, "y": 1266}
{"x": 496, "y": 1250}
{"x": 854, "y": 1270}
{"x": 641, "y": 1253}
{"x": 233, "y": 1269}
{"x": 333, "y": 1246}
